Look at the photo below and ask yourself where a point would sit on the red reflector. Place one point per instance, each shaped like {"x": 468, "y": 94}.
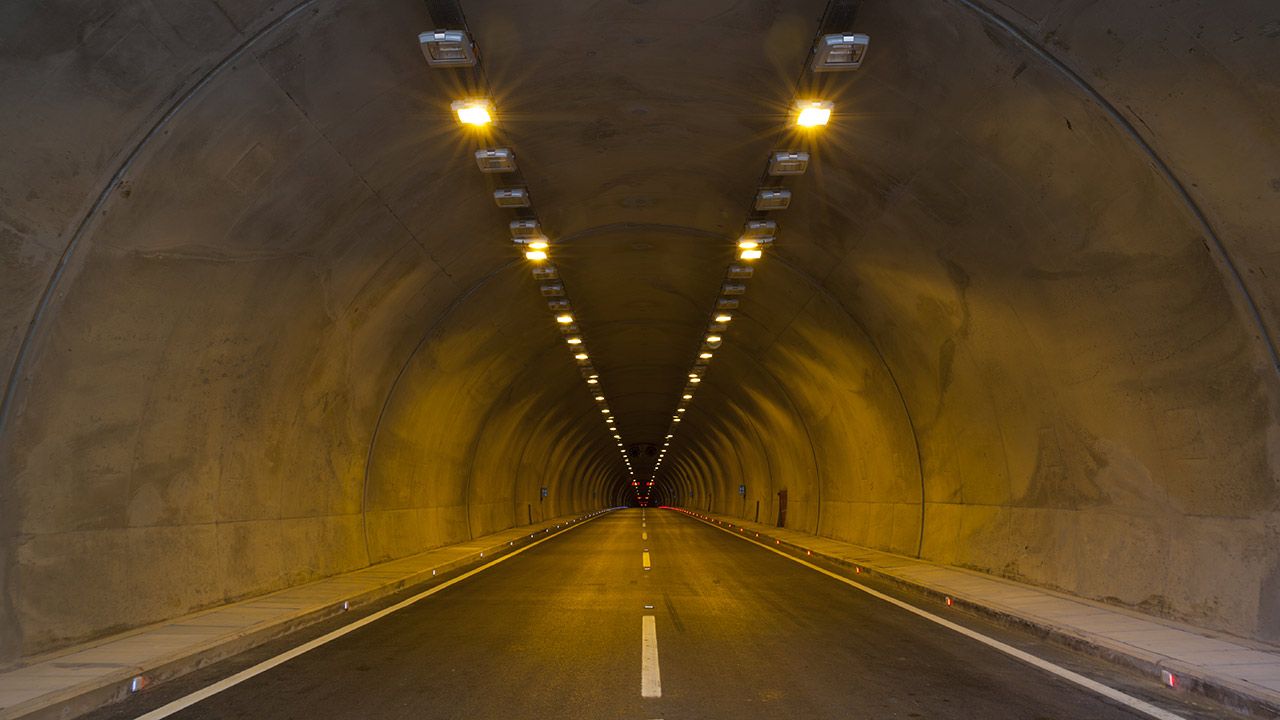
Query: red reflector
{"x": 949, "y": 602}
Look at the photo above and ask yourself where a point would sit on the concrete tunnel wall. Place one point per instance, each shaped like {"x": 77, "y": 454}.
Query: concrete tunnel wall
{"x": 263, "y": 326}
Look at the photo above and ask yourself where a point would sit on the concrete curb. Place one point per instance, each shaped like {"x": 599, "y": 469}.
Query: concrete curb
{"x": 1191, "y": 678}
{"x": 118, "y": 684}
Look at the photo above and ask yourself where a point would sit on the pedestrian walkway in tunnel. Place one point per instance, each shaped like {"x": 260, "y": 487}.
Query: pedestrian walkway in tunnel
{"x": 648, "y": 613}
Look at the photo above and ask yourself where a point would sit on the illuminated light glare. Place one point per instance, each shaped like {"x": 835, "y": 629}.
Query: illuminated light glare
{"x": 723, "y": 318}
{"x": 592, "y": 381}
{"x": 705, "y": 356}
{"x": 748, "y": 244}
{"x": 564, "y": 319}
{"x": 473, "y": 112}
{"x": 686, "y": 396}
{"x": 574, "y": 341}
{"x": 536, "y": 255}
{"x": 813, "y": 113}
{"x": 538, "y": 245}
{"x": 750, "y": 254}
{"x": 681, "y": 409}
{"x": 695, "y": 379}
{"x": 713, "y": 338}
{"x": 580, "y": 356}
{"x": 604, "y": 410}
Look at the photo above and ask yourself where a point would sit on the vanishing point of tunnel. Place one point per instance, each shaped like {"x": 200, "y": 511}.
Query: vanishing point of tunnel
{"x": 640, "y": 359}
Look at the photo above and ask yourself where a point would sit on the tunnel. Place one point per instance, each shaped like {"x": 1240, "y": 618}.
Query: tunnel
{"x": 275, "y": 310}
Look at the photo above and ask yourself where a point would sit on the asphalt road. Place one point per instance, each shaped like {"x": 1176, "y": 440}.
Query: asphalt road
{"x": 737, "y": 632}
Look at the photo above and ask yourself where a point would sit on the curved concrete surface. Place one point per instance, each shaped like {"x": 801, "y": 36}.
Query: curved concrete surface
{"x": 262, "y": 322}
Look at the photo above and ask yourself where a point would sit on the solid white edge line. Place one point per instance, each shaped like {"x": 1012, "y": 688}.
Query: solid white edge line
{"x": 209, "y": 691}
{"x": 1106, "y": 691}
{"x": 650, "y": 676}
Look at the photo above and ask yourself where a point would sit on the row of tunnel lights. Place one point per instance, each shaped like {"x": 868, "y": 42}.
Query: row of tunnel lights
{"x": 843, "y": 51}
{"x": 454, "y": 48}
{"x": 832, "y": 52}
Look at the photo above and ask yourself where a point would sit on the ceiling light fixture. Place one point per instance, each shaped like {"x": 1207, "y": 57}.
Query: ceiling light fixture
{"x": 511, "y": 198}
{"x": 496, "y": 160}
{"x": 840, "y": 51}
{"x": 447, "y": 48}
{"x": 788, "y": 162}
{"x": 813, "y": 113}
{"x": 476, "y": 112}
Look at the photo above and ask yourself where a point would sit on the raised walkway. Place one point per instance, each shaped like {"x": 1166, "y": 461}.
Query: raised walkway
{"x": 76, "y": 680}
{"x": 1239, "y": 673}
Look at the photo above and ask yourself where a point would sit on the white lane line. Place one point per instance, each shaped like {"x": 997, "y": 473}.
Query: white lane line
{"x": 1106, "y": 691}
{"x": 187, "y": 701}
{"x": 650, "y": 678}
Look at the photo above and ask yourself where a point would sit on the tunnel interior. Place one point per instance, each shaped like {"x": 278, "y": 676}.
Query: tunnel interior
{"x": 264, "y": 322}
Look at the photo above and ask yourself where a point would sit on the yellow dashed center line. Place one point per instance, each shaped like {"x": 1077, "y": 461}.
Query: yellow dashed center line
{"x": 644, "y": 558}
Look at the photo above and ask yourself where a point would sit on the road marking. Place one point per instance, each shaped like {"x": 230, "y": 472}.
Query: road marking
{"x": 644, "y": 558}
{"x": 1106, "y": 691}
{"x": 650, "y": 677}
{"x": 644, "y": 536}
{"x": 187, "y": 701}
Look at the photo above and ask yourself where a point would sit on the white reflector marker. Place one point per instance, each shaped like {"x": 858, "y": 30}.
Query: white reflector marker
{"x": 650, "y": 677}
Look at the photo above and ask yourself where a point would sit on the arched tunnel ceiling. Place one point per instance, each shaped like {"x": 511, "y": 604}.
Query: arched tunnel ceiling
{"x": 259, "y": 304}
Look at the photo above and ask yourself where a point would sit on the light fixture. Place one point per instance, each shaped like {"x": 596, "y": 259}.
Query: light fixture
{"x": 726, "y": 304}
{"x": 535, "y": 255}
{"x": 757, "y": 229}
{"x": 525, "y": 229}
{"x": 723, "y": 317}
{"x": 580, "y": 356}
{"x": 750, "y": 254}
{"x": 564, "y": 319}
{"x": 733, "y": 289}
{"x": 538, "y": 244}
{"x": 686, "y": 396}
{"x": 695, "y": 379}
{"x": 713, "y": 340}
{"x": 813, "y": 113}
{"x": 599, "y": 398}
{"x": 512, "y": 197}
{"x": 447, "y": 48}
{"x": 574, "y": 340}
{"x": 705, "y": 355}
{"x": 681, "y": 409}
{"x": 840, "y": 51}
{"x": 592, "y": 381}
{"x": 787, "y": 162}
{"x": 496, "y": 160}
{"x": 770, "y": 199}
{"x": 604, "y": 410}
{"x": 476, "y": 111}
